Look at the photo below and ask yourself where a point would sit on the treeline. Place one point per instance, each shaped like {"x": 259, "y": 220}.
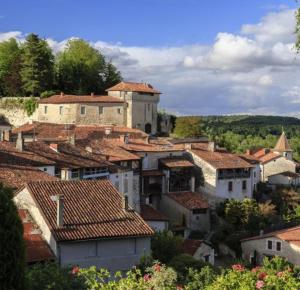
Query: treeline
{"x": 32, "y": 68}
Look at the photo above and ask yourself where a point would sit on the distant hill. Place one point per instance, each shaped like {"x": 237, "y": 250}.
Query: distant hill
{"x": 257, "y": 125}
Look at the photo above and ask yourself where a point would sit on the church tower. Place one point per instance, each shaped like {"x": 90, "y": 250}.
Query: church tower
{"x": 140, "y": 109}
{"x": 283, "y": 147}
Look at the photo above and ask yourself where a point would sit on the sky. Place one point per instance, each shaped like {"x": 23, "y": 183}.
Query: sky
{"x": 207, "y": 57}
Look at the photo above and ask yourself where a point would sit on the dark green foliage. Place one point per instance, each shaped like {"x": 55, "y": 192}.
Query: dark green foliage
{"x": 12, "y": 247}
{"x": 196, "y": 280}
{"x": 165, "y": 245}
{"x": 188, "y": 127}
{"x": 50, "y": 276}
{"x": 82, "y": 69}
{"x": 182, "y": 263}
{"x": 37, "y": 66}
{"x": 10, "y": 64}
{"x": 47, "y": 94}
{"x": 30, "y": 105}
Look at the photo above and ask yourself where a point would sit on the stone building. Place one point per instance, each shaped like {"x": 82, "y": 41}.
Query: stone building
{"x": 133, "y": 105}
{"x": 284, "y": 243}
{"x": 87, "y": 223}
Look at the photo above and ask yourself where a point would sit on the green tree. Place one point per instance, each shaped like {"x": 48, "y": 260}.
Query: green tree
{"x": 12, "y": 247}
{"x": 10, "y": 64}
{"x": 188, "y": 127}
{"x": 81, "y": 69}
{"x": 165, "y": 245}
{"x": 37, "y": 66}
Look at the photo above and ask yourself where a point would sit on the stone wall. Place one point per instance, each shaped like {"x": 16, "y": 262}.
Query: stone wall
{"x": 17, "y": 116}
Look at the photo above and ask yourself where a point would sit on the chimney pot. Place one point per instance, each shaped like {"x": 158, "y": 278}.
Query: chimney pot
{"x": 125, "y": 203}
{"x": 92, "y": 94}
{"x": 61, "y": 93}
{"x": 20, "y": 142}
{"x": 211, "y": 146}
{"x": 60, "y": 210}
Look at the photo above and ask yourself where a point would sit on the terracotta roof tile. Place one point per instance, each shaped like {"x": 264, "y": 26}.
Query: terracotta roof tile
{"x": 189, "y": 200}
{"x": 222, "y": 160}
{"x": 269, "y": 157}
{"x": 11, "y": 156}
{"x": 73, "y": 99}
{"x": 16, "y": 176}
{"x": 175, "y": 162}
{"x": 190, "y": 246}
{"x": 291, "y": 235}
{"x": 148, "y": 213}
{"x": 37, "y": 250}
{"x": 134, "y": 87}
{"x": 92, "y": 209}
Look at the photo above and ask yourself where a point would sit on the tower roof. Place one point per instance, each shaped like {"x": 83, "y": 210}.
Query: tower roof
{"x": 134, "y": 87}
{"x": 283, "y": 144}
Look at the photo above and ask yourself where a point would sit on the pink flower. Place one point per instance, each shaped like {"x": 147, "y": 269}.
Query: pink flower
{"x": 238, "y": 267}
{"x": 262, "y": 276}
{"x": 254, "y": 270}
{"x": 75, "y": 270}
{"x": 157, "y": 267}
{"x": 147, "y": 277}
{"x": 259, "y": 284}
{"x": 280, "y": 274}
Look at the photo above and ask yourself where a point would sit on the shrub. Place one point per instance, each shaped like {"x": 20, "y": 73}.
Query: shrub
{"x": 47, "y": 94}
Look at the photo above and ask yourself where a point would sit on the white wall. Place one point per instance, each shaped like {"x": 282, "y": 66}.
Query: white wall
{"x": 158, "y": 226}
{"x": 48, "y": 169}
{"x": 112, "y": 254}
{"x": 205, "y": 250}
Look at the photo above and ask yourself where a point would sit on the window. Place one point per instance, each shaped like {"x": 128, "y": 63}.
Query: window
{"x": 148, "y": 107}
{"x": 75, "y": 173}
{"x": 270, "y": 245}
{"x": 244, "y": 186}
{"x": 117, "y": 184}
{"x": 278, "y": 246}
{"x": 100, "y": 110}
{"x": 119, "y": 111}
{"x": 82, "y": 110}
{"x": 206, "y": 258}
{"x": 45, "y": 169}
{"x": 230, "y": 186}
{"x": 61, "y": 110}
{"x": 45, "y": 109}
{"x": 254, "y": 174}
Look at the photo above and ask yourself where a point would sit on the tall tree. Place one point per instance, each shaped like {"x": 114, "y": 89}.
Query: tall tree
{"x": 111, "y": 75}
{"x": 38, "y": 65}
{"x": 188, "y": 127}
{"x": 12, "y": 249}
{"x": 10, "y": 64}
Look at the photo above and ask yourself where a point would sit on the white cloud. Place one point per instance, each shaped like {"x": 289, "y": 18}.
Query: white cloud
{"x": 253, "y": 72}
{"x": 11, "y": 34}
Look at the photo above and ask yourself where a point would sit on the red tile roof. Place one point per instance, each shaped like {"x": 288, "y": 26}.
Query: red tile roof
{"x": 222, "y": 160}
{"x": 282, "y": 144}
{"x": 9, "y": 155}
{"x": 290, "y": 174}
{"x": 191, "y": 246}
{"x": 16, "y": 176}
{"x": 134, "y": 87}
{"x": 291, "y": 235}
{"x": 249, "y": 158}
{"x": 174, "y": 162}
{"x": 73, "y": 99}
{"x": 37, "y": 250}
{"x": 148, "y": 213}
{"x": 92, "y": 210}
{"x": 269, "y": 157}
{"x": 189, "y": 200}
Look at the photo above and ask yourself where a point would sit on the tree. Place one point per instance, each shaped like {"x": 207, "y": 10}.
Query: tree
{"x": 12, "y": 247}
{"x": 188, "y": 127}
{"x": 37, "y": 67}
{"x": 165, "y": 245}
{"x": 81, "y": 69}
{"x": 10, "y": 64}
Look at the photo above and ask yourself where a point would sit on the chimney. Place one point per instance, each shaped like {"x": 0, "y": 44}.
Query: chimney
{"x": 125, "y": 203}
{"x": 147, "y": 201}
{"x": 92, "y": 94}
{"x": 20, "y": 142}
{"x": 261, "y": 232}
{"x": 72, "y": 139}
{"x": 60, "y": 210}
{"x": 248, "y": 152}
{"x": 54, "y": 146}
{"x": 193, "y": 184}
{"x": 211, "y": 146}
{"x": 7, "y": 135}
{"x": 61, "y": 93}
{"x": 147, "y": 140}
{"x": 187, "y": 146}
{"x": 124, "y": 139}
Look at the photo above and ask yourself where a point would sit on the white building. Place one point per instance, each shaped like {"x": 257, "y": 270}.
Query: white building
{"x": 87, "y": 223}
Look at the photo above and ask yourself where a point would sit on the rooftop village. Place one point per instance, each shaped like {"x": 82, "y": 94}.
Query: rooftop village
{"x": 93, "y": 182}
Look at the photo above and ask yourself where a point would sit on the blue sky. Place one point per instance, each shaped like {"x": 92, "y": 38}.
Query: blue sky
{"x": 207, "y": 57}
{"x": 134, "y": 22}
